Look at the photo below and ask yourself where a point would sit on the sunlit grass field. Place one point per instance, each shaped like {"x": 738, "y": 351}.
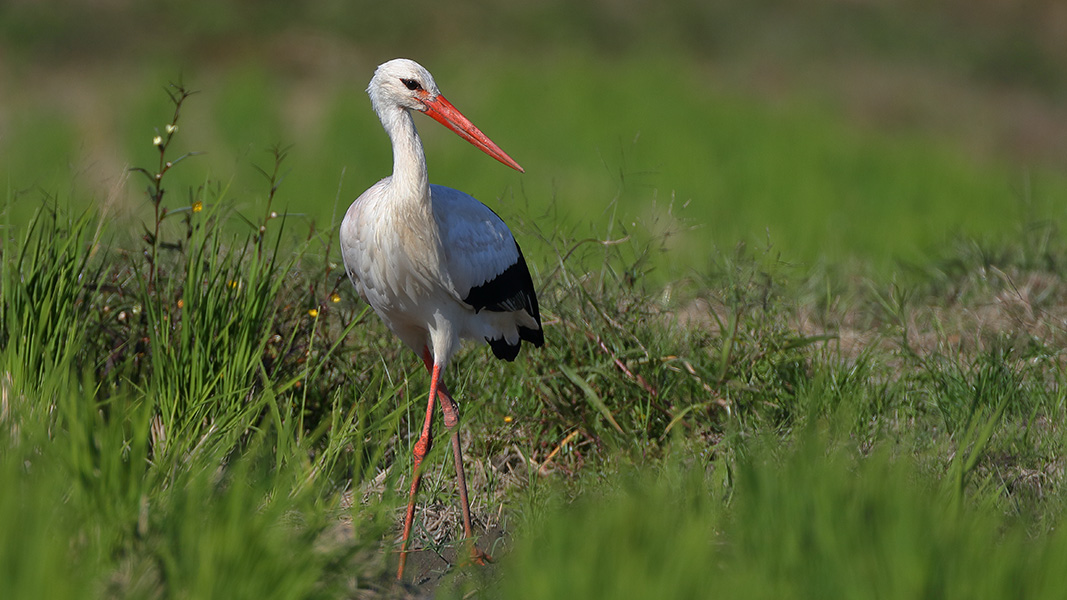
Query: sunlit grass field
{"x": 790, "y": 352}
{"x": 658, "y": 146}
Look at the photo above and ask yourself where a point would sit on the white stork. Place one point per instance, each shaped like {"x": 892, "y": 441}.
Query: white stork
{"x": 436, "y": 265}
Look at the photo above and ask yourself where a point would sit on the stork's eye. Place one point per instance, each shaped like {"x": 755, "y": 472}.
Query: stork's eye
{"x": 411, "y": 84}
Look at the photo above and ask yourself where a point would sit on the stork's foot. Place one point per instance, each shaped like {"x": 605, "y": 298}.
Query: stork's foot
{"x": 476, "y": 557}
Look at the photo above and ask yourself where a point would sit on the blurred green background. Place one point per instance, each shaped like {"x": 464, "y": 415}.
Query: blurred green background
{"x": 832, "y": 130}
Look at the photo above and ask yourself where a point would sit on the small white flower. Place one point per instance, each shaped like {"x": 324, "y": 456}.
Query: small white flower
{"x": 171, "y": 128}
{"x": 157, "y": 141}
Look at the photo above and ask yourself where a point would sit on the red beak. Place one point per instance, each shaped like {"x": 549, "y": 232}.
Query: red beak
{"x": 444, "y": 113}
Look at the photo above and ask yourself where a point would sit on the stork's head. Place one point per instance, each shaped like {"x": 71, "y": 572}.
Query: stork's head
{"x": 405, "y": 84}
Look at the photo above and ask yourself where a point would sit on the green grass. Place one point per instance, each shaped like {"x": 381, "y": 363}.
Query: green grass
{"x": 787, "y": 355}
{"x": 668, "y": 149}
{"x": 813, "y": 520}
{"x": 165, "y": 429}
{"x": 207, "y": 412}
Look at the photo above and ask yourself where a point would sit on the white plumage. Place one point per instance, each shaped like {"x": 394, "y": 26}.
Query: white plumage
{"x": 436, "y": 265}
{"x": 414, "y": 263}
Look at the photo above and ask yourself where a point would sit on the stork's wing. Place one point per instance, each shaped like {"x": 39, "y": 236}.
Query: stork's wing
{"x": 485, "y": 263}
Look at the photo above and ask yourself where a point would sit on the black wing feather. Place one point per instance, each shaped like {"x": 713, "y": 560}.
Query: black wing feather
{"x": 510, "y": 291}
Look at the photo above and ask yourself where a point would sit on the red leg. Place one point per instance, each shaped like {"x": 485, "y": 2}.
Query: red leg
{"x": 422, "y": 447}
{"x": 451, "y": 410}
{"x": 451, "y": 414}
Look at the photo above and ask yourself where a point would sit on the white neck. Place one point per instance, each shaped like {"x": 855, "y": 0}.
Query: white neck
{"x": 409, "y": 162}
